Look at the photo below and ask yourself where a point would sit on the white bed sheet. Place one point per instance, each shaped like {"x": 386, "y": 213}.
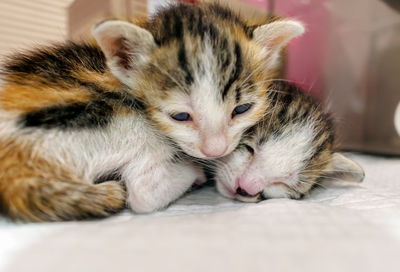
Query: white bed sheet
{"x": 342, "y": 227}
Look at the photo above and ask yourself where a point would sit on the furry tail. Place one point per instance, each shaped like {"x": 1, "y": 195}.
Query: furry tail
{"x": 36, "y": 189}
{"x": 38, "y": 199}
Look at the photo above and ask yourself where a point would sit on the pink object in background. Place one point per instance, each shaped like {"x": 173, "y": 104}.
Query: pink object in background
{"x": 306, "y": 54}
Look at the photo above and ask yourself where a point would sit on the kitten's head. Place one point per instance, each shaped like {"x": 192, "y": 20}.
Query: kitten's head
{"x": 284, "y": 154}
{"x": 200, "y": 70}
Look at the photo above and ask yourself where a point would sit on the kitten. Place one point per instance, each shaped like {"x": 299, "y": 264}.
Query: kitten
{"x": 286, "y": 153}
{"x": 77, "y": 113}
{"x": 198, "y": 66}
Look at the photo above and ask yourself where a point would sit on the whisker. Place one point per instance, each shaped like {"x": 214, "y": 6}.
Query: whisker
{"x": 252, "y": 73}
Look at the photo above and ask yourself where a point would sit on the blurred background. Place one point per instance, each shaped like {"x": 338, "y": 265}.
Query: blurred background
{"x": 349, "y": 57}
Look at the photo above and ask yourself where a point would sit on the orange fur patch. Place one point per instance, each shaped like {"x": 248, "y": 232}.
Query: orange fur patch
{"x": 33, "y": 189}
{"x": 22, "y": 98}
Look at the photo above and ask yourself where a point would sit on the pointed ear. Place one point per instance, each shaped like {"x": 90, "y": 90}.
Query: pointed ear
{"x": 343, "y": 167}
{"x": 125, "y": 45}
{"x": 275, "y": 36}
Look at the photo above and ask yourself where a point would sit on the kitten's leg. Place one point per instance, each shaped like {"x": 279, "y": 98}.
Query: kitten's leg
{"x": 33, "y": 189}
{"x": 160, "y": 184}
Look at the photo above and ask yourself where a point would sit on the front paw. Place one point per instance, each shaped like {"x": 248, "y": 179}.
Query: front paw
{"x": 201, "y": 178}
{"x": 142, "y": 204}
{"x": 281, "y": 191}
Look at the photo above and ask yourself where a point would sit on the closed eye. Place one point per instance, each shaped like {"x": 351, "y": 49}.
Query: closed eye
{"x": 249, "y": 148}
{"x": 241, "y": 109}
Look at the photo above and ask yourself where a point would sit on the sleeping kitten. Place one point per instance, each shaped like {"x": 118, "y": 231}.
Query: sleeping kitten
{"x": 286, "y": 153}
{"x": 74, "y": 114}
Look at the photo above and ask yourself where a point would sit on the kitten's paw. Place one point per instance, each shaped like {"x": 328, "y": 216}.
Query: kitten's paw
{"x": 292, "y": 194}
{"x": 281, "y": 191}
{"x": 201, "y": 177}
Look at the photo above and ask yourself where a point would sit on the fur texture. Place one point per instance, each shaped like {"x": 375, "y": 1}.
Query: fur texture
{"x": 74, "y": 114}
{"x": 286, "y": 153}
{"x": 202, "y": 61}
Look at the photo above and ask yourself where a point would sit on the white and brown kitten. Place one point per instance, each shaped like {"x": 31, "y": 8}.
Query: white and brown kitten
{"x": 77, "y": 113}
{"x": 286, "y": 153}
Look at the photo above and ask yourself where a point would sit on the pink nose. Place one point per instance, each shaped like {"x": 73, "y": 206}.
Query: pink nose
{"x": 249, "y": 186}
{"x": 214, "y": 151}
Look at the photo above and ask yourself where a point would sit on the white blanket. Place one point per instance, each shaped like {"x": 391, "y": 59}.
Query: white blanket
{"x": 342, "y": 227}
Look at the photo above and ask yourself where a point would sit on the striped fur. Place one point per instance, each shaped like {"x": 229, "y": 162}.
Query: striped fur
{"x": 201, "y": 60}
{"x": 74, "y": 114}
{"x": 285, "y": 153}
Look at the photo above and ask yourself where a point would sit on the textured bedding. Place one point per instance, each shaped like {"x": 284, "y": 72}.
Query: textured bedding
{"x": 341, "y": 226}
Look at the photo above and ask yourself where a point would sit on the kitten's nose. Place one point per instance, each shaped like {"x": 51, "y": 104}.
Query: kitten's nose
{"x": 241, "y": 192}
{"x": 214, "y": 147}
{"x": 214, "y": 152}
{"x": 248, "y": 186}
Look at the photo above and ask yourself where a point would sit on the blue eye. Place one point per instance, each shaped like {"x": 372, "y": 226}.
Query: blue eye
{"x": 241, "y": 109}
{"x": 182, "y": 116}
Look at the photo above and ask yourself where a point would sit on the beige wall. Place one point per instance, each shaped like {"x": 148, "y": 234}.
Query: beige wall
{"x": 362, "y": 63}
{"x": 83, "y": 14}
{"x": 28, "y": 23}
{"x": 24, "y": 23}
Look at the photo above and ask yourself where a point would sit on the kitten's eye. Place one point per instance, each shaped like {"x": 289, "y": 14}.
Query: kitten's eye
{"x": 241, "y": 109}
{"x": 182, "y": 116}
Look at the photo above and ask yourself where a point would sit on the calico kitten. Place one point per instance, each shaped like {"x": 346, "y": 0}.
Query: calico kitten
{"x": 285, "y": 153}
{"x": 198, "y": 66}
{"x": 77, "y": 113}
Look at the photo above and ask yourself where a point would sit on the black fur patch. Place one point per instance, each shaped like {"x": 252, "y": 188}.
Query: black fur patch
{"x": 236, "y": 71}
{"x": 96, "y": 113}
{"x": 238, "y": 95}
{"x": 182, "y": 60}
{"x": 227, "y": 14}
{"x": 116, "y": 98}
{"x": 78, "y": 115}
{"x": 170, "y": 23}
{"x": 57, "y": 63}
{"x": 123, "y": 99}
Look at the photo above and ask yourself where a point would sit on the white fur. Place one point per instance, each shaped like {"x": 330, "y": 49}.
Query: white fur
{"x": 284, "y": 155}
{"x": 276, "y": 35}
{"x": 213, "y": 132}
{"x": 276, "y": 166}
{"x": 206, "y": 103}
{"x": 278, "y": 160}
{"x": 130, "y": 146}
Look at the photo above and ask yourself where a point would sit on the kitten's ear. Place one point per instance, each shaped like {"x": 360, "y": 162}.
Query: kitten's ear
{"x": 343, "y": 167}
{"x": 125, "y": 45}
{"x": 275, "y": 36}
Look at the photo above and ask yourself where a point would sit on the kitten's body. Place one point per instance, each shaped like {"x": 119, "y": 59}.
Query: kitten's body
{"x": 53, "y": 151}
{"x": 286, "y": 153}
{"x": 71, "y": 115}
